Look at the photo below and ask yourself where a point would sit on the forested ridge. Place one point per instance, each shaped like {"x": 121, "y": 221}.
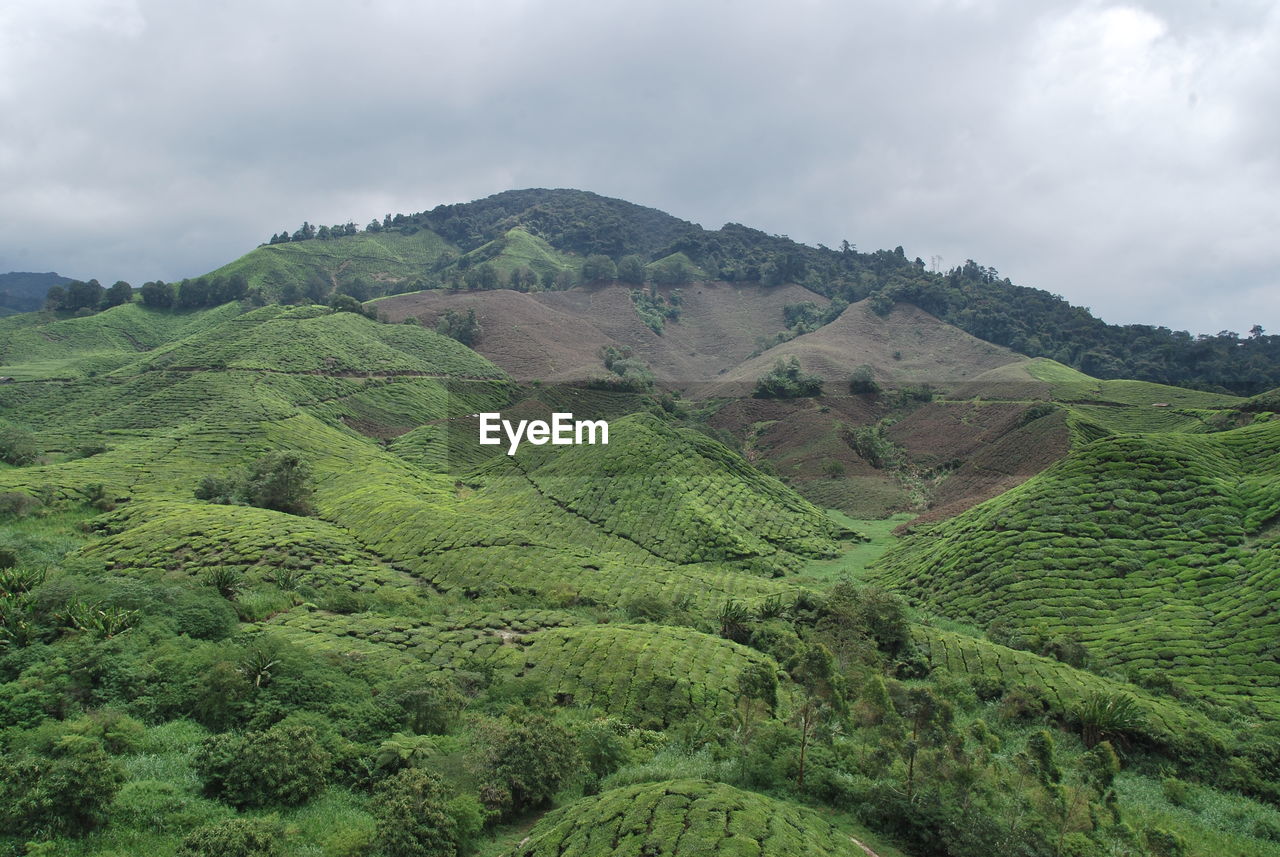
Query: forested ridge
{"x": 971, "y": 296}
{"x": 639, "y": 244}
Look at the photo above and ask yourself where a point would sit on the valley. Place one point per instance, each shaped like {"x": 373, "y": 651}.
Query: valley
{"x": 260, "y": 577}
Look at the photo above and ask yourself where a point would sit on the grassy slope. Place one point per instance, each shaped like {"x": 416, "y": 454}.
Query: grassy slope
{"x": 323, "y": 383}
{"x": 387, "y": 257}
{"x": 551, "y": 527}
{"x": 1155, "y": 549}
{"x": 38, "y": 346}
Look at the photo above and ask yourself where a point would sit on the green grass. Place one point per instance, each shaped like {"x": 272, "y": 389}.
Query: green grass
{"x": 857, "y": 556}
{"x": 1212, "y": 822}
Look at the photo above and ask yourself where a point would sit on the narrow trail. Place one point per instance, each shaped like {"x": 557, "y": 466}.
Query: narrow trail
{"x": 863, "y": 846}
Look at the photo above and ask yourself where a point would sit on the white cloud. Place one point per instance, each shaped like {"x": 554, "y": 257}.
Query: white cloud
{"x": 1123, "y": 155}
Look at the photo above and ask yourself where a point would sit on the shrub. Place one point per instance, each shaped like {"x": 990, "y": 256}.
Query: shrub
{"x": 16, "y": 504}
{"x": 413, "y": 818}
{"x": 874, "y": 446}
{"x": 1107, "y": 716}
{"x": 202, "y": 616}
{"x": 62, "y": 788}
{"x": 1164, "y": 843}
{"x": 160, "y": 806}
{"x": 235, "y": 837}
{"x": 282, "y": 765}
{"x": 18, "y": 446}
{"x": 787, "y": 381}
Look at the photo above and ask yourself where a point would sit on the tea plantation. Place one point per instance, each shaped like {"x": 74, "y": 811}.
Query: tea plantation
{"x": 684, "y": 817}
{"x": 1157, "y": 551}
{"x": 262, "y": 592}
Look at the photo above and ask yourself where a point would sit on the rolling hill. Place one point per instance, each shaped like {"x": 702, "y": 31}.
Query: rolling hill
{"x": 260, "y": 582}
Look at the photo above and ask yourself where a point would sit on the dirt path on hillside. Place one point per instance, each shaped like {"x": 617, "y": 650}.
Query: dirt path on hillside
{"x": 863, "y": 846}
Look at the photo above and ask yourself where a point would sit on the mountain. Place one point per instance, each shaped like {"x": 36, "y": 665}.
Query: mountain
{"x": 25, "y": 292}
{"x": 542, "y": 237}
{"x": 923, "y": 594}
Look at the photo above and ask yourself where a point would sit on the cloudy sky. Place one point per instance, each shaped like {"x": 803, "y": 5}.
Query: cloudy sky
{"x": 1123, "y": 155}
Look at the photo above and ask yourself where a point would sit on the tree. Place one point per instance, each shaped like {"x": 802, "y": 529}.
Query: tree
{"x": 814, "y": 670}
{"x": 672, "y": 272}
{"x": 193, "y": 293}
{"x": 413, "y": 817}
{"x": 757, "y": 700}
{"x": 431, "y": 704}
{"x": 157, "y": 295}
{"x": 598, "y": 268}
{"x": 280, "y": 481}
{"x": 83, "y": 295}
{"x": 787, "y": 381}
{"x": 345, "y": 303}
{"x": 631, "y": 270}
{"x": 863, "y": 381}
{"x": 284, "y": 765}
{"x": 528, "y": 759}
{"x": 119, "y": 293}
{"x": 55, "y": 298}
{"x": 62, "y": 786}
{"x": 458, "y": 325}
{"x": 930, "y": 721}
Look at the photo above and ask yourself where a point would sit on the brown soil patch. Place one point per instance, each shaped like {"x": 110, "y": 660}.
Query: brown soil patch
{"x": 929, "y": 352}
{"x": 558, "y": 336}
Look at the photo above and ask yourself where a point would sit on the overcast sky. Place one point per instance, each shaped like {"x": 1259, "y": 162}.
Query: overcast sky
{"x": 1123, "y": 155}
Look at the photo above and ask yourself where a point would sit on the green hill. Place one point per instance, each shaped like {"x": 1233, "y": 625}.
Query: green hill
{"x": 684, "y": 817}
{"x": 25, "y": 292}
{"x": 261, "y": 583}
{"x": 1158, "y": 551}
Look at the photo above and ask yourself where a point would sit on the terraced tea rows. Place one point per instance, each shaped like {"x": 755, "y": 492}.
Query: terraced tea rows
{"x": 649, "y": 674}
{"x": 36, "y": 346}
{"x": 1154, "y": 549}
{"x": 448, "y": 644}
{"x": 679, "y": 495}
{"x": 313, "y": 339}
{"x": 684, "y": 817}
{"x": 1066, "y": 688}
{"x": 195, "y": 539}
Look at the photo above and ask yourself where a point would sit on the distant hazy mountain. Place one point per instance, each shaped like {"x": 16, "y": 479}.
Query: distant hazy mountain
{"x": 23, "y": 291}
